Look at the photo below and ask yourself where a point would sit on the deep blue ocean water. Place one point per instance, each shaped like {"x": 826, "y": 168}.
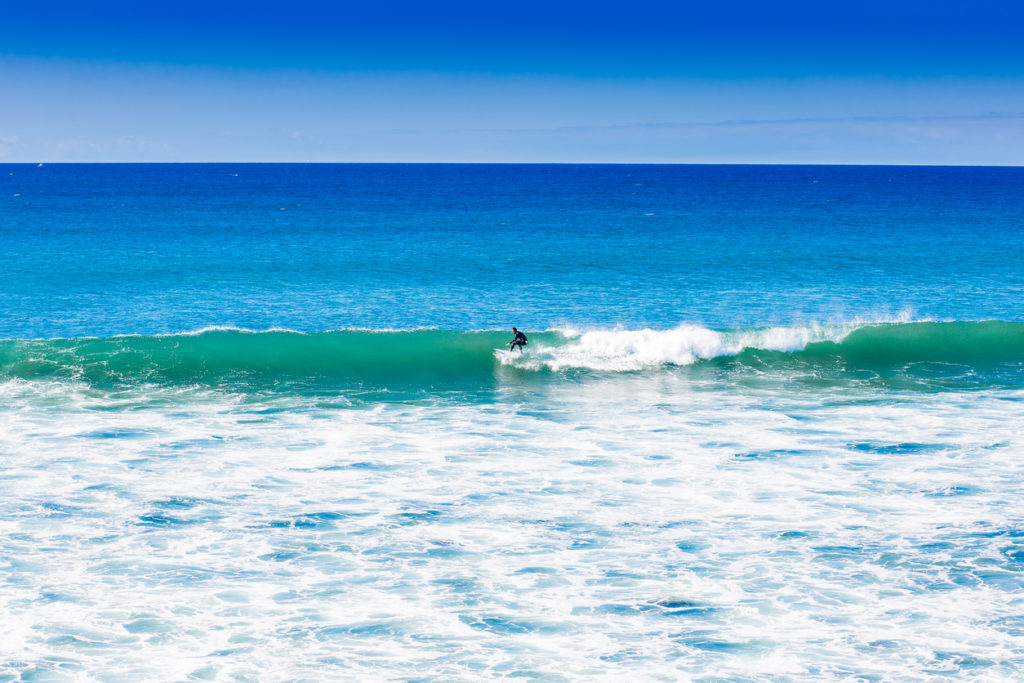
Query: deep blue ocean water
{"x": 256, "y": 423}
{"x": 120, "y": 249}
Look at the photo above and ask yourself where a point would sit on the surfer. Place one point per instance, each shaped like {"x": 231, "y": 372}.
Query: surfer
{"x": 519, "y": 340}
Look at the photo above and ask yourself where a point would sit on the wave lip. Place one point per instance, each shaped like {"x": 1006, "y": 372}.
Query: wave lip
{"x": 974, "y": 343}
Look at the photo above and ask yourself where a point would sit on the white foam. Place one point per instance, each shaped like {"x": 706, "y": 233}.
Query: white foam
{"x": 554, "y": 527}
{"x": 627, "y": 350}
{"x": 543, "y": 531}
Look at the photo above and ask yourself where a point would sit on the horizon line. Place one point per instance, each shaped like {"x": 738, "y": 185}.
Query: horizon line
{"x": 37, "y": 163}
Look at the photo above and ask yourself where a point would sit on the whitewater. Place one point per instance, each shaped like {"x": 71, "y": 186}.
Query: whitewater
{"x": 768, "y": 425}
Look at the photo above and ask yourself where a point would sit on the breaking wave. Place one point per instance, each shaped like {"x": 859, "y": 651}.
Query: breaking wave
{"x": 266, "y": 358}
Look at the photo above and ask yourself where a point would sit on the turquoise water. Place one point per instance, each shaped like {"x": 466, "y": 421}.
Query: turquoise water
{"x": 254, "y": 425}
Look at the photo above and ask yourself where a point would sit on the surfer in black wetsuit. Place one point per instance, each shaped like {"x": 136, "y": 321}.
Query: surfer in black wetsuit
{"x": 520, "y": 340}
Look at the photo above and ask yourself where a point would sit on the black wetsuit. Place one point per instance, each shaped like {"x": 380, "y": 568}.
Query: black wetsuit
{"x": 519, "y": 341}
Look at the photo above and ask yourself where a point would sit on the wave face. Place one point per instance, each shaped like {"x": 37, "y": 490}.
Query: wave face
{"x": 227, "y": 356}
{"x": 437, "y": 357}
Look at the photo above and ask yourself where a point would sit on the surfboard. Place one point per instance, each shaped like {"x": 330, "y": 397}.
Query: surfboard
{"x": 505, "y": 356}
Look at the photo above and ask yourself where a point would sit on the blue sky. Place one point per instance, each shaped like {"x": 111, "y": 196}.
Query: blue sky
{"x": 726, "y": 82}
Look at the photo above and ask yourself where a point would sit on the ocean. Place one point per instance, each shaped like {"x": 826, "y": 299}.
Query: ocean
{"x": 255, "y": 423}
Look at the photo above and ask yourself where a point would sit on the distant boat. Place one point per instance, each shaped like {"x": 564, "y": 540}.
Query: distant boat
{"x": 39, "y": 165}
